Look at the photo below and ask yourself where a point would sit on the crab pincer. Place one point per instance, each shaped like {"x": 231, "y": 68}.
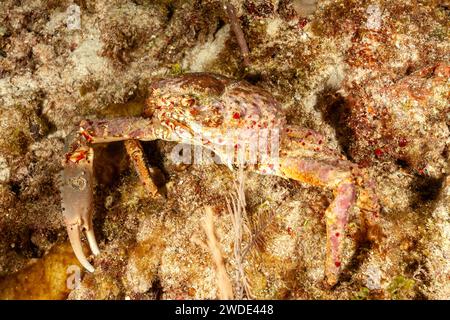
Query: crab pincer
{"x": 77, "y": 200}
{"x": 78, "y": 176}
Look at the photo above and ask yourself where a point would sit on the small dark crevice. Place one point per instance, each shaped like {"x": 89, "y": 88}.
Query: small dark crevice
{"x": 427, "y": 189}
{"x": 45, "y": 127}
{"x": 402, "y": 163}
{"x": 420, "y": 296}
{"x": 170, "y": 12}
{"x": 446, "y": 154}
{"x": 220, "y": 24}
{"x": 15, "y": 188}
{"x": 82, "y": 4}
{"x": 35, "y": 251}
{"x": 25, "y": 247}
{"x": 52, "y": 236}
{"x": 253, "y": 77}
{"x": 157, "y": 288}
{"x": 155, "y": 161}
{"x": 412, "y": 266}
{"x": 335, "y": 112}
{"x": 409, "y": 70}
{"x": 152, "y": 154}
{"x": 109, "y": 163}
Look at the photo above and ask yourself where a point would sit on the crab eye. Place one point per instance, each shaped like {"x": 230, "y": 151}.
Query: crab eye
{"x": 188, "y": 101}
{"x": 150, "y": 107}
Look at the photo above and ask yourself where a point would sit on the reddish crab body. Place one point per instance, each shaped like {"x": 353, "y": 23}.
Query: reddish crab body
{"x": 222, "y": 115}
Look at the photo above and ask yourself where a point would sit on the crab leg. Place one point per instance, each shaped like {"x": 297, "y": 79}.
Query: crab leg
{"x": 336, "y": 217}
{"x": 77, "y": 175}
{"x": 324, "y": 174}
{"x": 310, "y": 140}
{"x": 137, "y": 156}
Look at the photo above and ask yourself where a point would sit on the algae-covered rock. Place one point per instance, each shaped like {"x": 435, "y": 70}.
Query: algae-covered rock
{"x": 371, "y": 76}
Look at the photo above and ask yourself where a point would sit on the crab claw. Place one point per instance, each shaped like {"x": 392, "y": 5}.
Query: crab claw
{"x": 77, "y": 200}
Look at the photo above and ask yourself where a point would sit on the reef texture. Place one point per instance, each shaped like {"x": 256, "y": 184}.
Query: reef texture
{"x": 372, "y": 76}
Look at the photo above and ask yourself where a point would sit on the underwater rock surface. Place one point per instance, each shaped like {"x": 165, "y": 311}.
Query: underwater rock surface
{"x": 371, "y": 76}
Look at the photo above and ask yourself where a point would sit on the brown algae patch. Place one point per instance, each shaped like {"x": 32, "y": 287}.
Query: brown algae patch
{"x": 45, "y": 279}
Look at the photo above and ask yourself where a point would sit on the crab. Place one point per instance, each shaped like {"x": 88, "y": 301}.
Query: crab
{"x": 213, "y": 111}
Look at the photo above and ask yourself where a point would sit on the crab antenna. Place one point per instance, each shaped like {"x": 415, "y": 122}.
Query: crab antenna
{"x": 231, "y": 11}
